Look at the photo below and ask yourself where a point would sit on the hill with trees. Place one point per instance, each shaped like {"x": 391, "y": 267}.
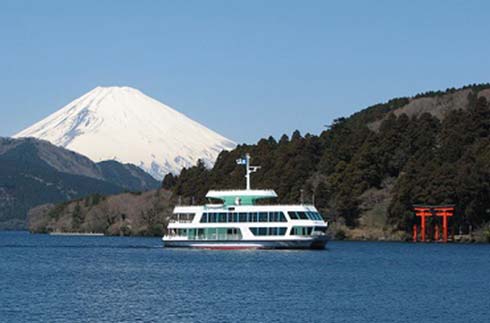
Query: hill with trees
{"x": 143, "y": 214}
{"x": 367, "y": 171}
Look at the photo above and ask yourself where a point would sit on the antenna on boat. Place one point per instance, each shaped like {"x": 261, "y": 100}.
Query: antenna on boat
{"x": 249, "y": 169}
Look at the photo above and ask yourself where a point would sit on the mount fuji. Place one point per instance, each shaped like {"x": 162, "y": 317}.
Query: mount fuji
{"x": 123, "y": 124}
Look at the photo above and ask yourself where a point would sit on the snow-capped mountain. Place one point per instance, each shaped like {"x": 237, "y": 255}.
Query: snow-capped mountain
{"x": 123, "y": 124}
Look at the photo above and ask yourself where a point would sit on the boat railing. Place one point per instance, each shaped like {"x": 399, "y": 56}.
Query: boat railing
{"x": 217, "y": 206}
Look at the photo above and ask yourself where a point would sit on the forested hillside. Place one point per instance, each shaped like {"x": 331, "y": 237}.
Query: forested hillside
{"x": 122, "y": 214}
{"x": 369, "y": 169}
{"x": 34, "y": 172}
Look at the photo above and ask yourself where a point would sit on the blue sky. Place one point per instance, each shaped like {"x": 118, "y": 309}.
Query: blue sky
{"x": 247, "y": 69}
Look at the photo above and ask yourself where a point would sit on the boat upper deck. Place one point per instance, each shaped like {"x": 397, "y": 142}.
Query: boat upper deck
{"x": 196, "y": 209}
{"x": 240, "y": 197}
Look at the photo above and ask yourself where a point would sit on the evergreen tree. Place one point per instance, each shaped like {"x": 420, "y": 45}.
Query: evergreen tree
{"x": 169, "y": 181}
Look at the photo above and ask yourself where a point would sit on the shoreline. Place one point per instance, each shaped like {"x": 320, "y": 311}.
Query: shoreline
{"x": 95, "y": 234}
{"x": 463, "y": 239}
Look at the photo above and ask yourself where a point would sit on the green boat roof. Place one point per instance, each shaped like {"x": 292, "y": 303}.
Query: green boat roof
{"x": 241, "y": 197}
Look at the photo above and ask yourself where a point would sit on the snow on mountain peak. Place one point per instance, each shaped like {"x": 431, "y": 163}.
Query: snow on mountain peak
{"x": 124, "y": 124}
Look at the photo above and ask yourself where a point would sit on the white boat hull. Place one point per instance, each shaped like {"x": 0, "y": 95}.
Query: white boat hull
{"x": 311, "y": 243}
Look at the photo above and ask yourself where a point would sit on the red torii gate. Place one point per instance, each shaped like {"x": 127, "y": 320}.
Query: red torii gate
{"x": 444, "y": 212}
{"x": 424, "y": 211}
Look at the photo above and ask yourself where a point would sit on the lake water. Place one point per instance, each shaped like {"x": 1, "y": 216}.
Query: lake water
{"x": 116, "y": 279}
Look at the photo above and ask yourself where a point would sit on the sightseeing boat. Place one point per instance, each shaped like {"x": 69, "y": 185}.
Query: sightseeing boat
{"x": 238, "y": 222}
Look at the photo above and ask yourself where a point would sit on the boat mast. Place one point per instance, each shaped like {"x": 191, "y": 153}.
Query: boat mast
{"x": 247, "y": 166}
{"x": 249, "y": 170}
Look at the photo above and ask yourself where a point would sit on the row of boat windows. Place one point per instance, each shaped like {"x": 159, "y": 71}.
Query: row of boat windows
{"x": 235, "y": 233}
{"x": 208, "y": 233}
{"x": 279, "y": 231}
{"x": 243, "y": 217}
{"x": 223, "y": 217}
{"x": 305, "y": 216}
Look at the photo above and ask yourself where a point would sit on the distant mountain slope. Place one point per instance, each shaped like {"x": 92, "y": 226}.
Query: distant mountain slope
{"x": 123, "y": 124}
{"x": 127, "y": 175}
{"x": 34, "y": 172}
{"x": 437, "y": 104}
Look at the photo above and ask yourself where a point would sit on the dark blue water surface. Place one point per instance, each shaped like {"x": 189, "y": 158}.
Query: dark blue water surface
{"x": 111, "y": 279}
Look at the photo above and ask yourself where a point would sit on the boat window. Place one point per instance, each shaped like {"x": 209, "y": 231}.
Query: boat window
{"x": 262, "y": 216}
{"x": 182, "y": 232}
{"x": 270, "y": 216}
{"x": 277, "y": 217}
{"x": 210, "y": 233}
{"x": 313, "y": 216}
{"x": 281, "y": 217}
{"x": 293, "y": 215}
{"x": 200, "y": 234}
{"x": 280, "y": 231}
{"x": 204, "y": 218}
{"x": 298, "y": 215}
{"x": 253, "y": 217}
{"x": 221, "y": 233}
{"x": 242, "y": 217}
{"x": 316, "y": 216}
{"x": 274, "y": 231}
{"x": 302, "y": 215}
{"x": 221, "y": 217}
{"x": 302, "y": 231}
